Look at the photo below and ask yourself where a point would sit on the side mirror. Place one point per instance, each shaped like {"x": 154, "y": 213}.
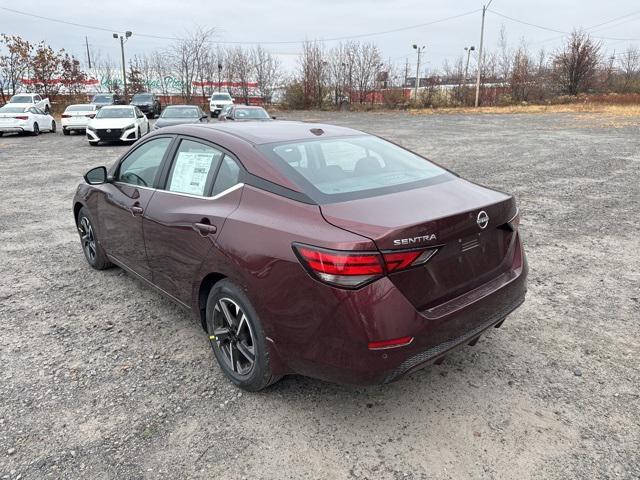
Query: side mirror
{"x": 273, "y": 117}
{"x": 96, "y": 176}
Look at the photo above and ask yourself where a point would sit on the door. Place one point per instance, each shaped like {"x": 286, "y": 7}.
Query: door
{"x": 122, "y": 206}
{"x": 183, "y": 220}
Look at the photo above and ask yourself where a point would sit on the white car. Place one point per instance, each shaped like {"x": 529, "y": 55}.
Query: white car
{"x": 76, "y": 117}
{"x": 32, "y": 100}
{"x": 21, "y": 119}
{"x": 218, "y": 101}
{"x": 117, "y": 123}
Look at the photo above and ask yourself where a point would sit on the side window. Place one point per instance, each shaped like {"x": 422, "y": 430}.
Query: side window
{"x": 228, "y": 175}
{"x": 33, "y": 110}
{"x": 37, "y": 98}
{"x": 193, "y": 168}
{"x": 141, "y": 166}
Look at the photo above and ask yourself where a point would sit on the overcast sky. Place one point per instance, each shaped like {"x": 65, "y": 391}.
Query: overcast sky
{"x": 296, "y": 20}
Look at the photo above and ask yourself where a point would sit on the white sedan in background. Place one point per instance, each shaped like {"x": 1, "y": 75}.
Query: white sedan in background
{"x": 21, "y": 119}
{"x": 76, "y": 117}
{"x": 117, "y": 123}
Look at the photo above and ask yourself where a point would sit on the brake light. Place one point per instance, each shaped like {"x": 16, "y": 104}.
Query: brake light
{"x": 396, "y": 342}
{"x": 400, "y": 260}
{"x": 90, "y": 115}
{"x": 21, "y": 117}
{"x": 355, "y": 269}
{"x": 344, "y": 269}
{"x": 65, "y": 115}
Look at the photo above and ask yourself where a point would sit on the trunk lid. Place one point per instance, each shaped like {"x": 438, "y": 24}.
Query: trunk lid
{"x": 443, "y": 216}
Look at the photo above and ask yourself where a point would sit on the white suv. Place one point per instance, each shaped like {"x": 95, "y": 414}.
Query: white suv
{"x": 218, "y": 101}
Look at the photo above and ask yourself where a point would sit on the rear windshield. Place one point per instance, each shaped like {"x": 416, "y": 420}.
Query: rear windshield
{"x": 8, "y": 109}
{"x": 346, "y": 168}
{"x": 256, "y": 113}
{"x": 143, "y": 97}
{"x": 103, "y": 98}
{"x": 21, "y": 99}
{"x": 123, "y": 112}
{"x": 220, "y": 96}
{"x": 180, "y": 112}
{"x": 80, "y": 108}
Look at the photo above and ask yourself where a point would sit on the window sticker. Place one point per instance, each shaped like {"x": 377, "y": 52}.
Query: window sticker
{"x": 190, "y": 172}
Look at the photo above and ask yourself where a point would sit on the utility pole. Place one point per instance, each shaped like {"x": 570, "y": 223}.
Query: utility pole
{"x": 219, "y": 75}
{"x": 123, "y": 39}
{"x": 419, "y": 49}
{"x": 484, "y": 11}
{"x": 86, "y": 41}
{"x": 406, "y": 73}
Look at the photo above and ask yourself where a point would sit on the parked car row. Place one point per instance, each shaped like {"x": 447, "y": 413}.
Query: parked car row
{"x": 109, "y": 119}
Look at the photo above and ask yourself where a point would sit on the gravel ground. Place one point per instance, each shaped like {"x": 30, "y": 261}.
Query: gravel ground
{"x": 101, "y": 377}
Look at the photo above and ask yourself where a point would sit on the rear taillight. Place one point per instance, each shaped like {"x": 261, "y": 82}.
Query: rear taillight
{"x": 344, "y": 269}
{"x": 21, "y": 117}
{"x": 400, "y": 260}
{"x": 355, "y": 269}
{"x": 65, "y": 115}
{"x": 90, "y": 115}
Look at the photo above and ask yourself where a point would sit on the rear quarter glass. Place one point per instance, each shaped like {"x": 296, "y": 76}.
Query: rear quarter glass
{"x": 347, "y": 168}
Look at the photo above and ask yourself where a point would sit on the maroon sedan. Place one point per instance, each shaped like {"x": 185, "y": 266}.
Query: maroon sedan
{"x": 306, "y": 248}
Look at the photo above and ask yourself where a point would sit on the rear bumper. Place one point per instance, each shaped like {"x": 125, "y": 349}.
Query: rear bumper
{"x": 13, "y": 129}
{"x": 336, "y": 354}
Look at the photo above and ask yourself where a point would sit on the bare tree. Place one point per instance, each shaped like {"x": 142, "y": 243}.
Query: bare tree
{"x": 267, "y": 71}
{"x": 161, "y": 68}
{"x": 188, "y": 54}
{"x": 576, "y": 64}
{"x": 505, "y": 56}
{"x": 629, "y": 63}
{"x": 522, "y": 73}
{"x": 368, "y": 62}
{"x": 13, "y": 65}
{"x": 240, "y": 70}
{"x": 313, "y": 74}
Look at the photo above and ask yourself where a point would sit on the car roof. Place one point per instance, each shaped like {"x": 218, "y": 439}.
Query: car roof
{"x": 259, "y": 133}
{"x": 112, "y": 107}
{"x": 181, "y": 106}
{"x": 90, "y": 105}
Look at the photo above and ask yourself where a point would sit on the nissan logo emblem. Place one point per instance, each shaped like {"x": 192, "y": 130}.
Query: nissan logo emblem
{"x": 108, "y": 130}
{"x": 483, "y": 219}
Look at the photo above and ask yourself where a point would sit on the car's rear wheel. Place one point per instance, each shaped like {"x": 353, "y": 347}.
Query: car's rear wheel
{"x": 36, "y": 130}
{"x": 65, "y": 131}
{"x": 93, "y": 251}
{"x": 237, "y": 337}
{"x": 53, "y": 126}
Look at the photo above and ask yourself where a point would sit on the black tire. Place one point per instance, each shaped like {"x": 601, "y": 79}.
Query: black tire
{"x": 248, "y": 338}
{"x": 93, "y": 251}
{"x": 139, "y": 134}
{"x": 65, "y": 131}
{"x": 36, "y": 130}
{"x": 94, "y": 144}
{"x": 53, "y": 126}
{"x": 1, "y": 134}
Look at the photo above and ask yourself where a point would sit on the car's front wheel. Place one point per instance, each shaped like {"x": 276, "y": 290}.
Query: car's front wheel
{"x": 237, "y": 337}
{"x": 93, "y": 251}
{"x": 53, "y": 126}
{"x": 65, "y": 131}
{"x": 36, "y": 130}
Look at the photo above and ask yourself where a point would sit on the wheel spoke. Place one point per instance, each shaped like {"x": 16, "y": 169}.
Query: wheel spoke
{"x": 246, "y": 351}
{"x": 233, "y": 363}
{"x": 221, "y": 333}
{"x": 243, "y": 321}
{"x": 229, "y": 317}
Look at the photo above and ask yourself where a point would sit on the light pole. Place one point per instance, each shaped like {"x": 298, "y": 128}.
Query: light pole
{"x": 466, "y": 68}
{"x": 484, "y": 11}
{"x": 219, "y": 74}
{"x": 126, "y": 36}
{"x": 419, "y": 49}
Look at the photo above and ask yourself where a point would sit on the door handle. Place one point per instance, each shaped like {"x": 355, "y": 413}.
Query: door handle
{"x": 205, "y": 229}
{"x": 136, "y": 211}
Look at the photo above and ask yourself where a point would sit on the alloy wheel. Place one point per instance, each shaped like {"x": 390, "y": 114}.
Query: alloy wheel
{"x": 88, "y": 239}
{"x": 233, "y": 336}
